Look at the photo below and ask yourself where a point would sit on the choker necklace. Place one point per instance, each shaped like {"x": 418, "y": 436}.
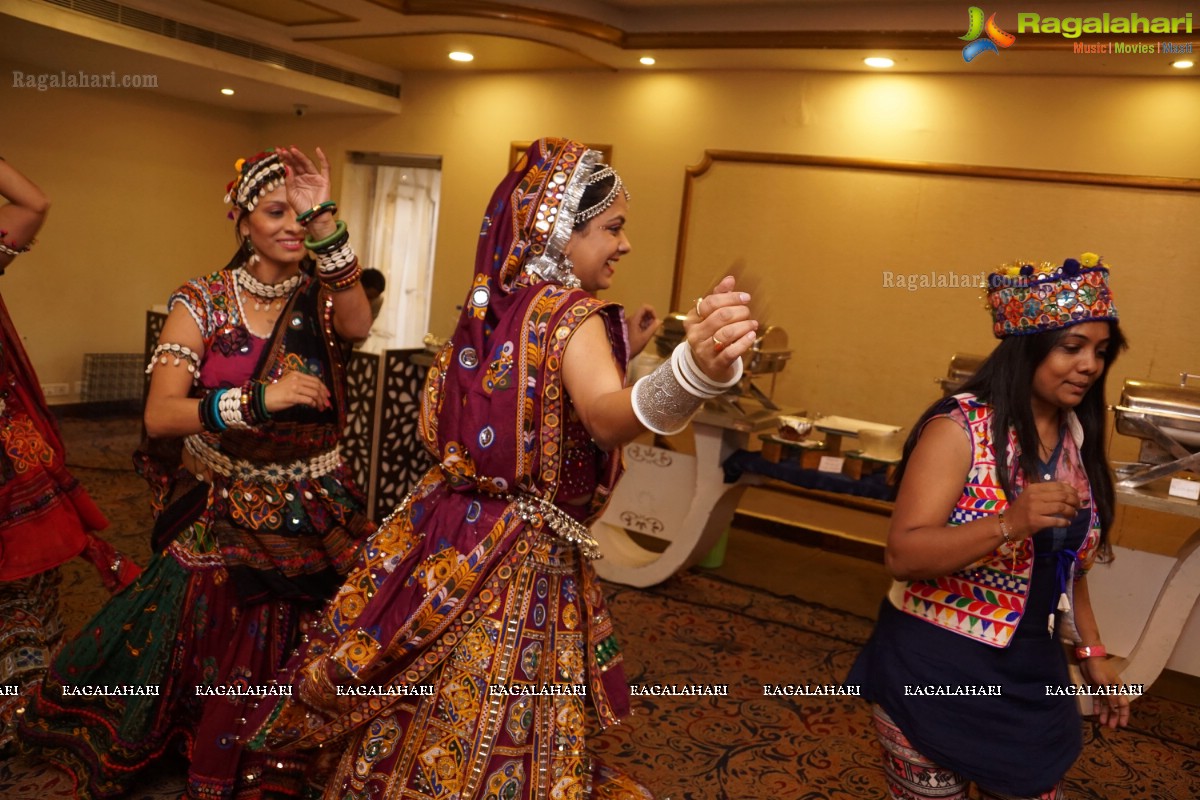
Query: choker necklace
{"x": 273, "y": 293}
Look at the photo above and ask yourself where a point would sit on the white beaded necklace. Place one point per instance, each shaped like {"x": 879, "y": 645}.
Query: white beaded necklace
{"x": 273, "y": 293}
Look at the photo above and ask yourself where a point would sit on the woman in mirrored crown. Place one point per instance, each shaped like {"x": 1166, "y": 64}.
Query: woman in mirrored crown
{"x": 1005, "y": 500}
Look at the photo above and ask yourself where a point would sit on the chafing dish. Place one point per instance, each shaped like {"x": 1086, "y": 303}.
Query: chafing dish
{"x": 962, "y": 367}
{"x": 669, "y": 334}
{"x": 1166, "y": 417}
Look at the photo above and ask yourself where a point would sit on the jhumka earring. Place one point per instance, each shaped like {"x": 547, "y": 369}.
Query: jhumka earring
{"x": 569, "y": 279}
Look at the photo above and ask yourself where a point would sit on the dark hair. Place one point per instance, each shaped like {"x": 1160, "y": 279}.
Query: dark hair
{"x": 594, "y": 194}
{"x": 1003, "y": 381}
{"x": 242, "y": 254}
{"x": 373, "y": 279}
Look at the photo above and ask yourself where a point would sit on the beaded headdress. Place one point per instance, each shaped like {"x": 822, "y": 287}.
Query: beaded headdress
{"x": 258, "y": 175}
{"x": 1027, "y": 298}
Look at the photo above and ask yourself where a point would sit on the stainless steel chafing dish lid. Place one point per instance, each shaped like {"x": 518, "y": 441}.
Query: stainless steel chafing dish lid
{"x": 669, "y": 334}
{"x": 1174, "y": 409}
{"x": 769, "y": 353}
{"x": 962, "y": 366}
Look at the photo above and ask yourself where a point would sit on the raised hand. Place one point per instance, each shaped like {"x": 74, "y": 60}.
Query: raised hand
{"x": 640, "y": 328}
{"x": 307, "y": 183}
{"x": 720, "y": 329}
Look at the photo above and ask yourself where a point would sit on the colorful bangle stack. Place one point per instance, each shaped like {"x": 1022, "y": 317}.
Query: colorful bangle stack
{"x": 336, "y": 260}
{"x": 341, "y": 281}
{"x": 337, "y": 266}
{"x": 210, "y": 415}
{"x": 254, "y": 403}
{"x": 331, "y": 242}
{"x": 321, "y": 208}
{"x": 239, "y": 408}
{"x": 229, "y": 405}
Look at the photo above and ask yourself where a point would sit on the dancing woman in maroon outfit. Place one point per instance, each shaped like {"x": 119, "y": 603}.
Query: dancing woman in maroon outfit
{"x": 470, "y": 648}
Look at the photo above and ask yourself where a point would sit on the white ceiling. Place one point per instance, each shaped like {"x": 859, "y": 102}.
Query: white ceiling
{"x": 385, "y": 39}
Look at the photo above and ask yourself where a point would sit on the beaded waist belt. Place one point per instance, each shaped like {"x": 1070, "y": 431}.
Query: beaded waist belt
{"x": 312, "y": 467}
{"x": 564, "y": 526}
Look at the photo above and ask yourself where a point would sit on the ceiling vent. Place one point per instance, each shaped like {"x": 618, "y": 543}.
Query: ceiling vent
{"x": 181, "y": 31}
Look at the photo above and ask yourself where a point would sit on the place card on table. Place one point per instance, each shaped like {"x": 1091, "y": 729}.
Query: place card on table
{"x": 831, "y": 464}
{"x": 1181, "y": 487}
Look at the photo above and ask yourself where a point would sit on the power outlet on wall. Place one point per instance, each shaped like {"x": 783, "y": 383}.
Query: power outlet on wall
{"x": 56, "y": 389}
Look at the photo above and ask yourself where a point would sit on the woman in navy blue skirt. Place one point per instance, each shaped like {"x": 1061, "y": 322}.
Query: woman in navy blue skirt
{"x": 1005, "y": 500}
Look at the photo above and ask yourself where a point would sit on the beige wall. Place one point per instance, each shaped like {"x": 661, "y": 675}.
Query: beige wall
{"x": 659, "y": 125}
{"x": 137, "y": 178}
{"x": 135, "y": 181}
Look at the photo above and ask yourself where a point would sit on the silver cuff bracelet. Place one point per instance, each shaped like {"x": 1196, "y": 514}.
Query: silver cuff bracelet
{"x": 665, "y": 400}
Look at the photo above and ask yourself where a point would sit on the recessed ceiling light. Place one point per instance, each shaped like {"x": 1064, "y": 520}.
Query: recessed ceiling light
{"x": 227, "y": 92}
{"x": 1182, "y": 64}
{"x": 879, "y": 62}
{"x": 460, "y": 55}
{"x": 647, "y": 60}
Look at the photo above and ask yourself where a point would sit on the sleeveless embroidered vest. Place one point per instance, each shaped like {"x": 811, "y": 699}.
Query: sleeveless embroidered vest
{"x": 985, "y": 600}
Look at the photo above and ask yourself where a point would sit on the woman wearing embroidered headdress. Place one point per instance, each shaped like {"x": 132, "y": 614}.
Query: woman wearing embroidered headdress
{"x": 471, "y": 643}
{"x": 46, "y": 517}
{"x": 257, "y": 519}
{"x": 990, "y": 562}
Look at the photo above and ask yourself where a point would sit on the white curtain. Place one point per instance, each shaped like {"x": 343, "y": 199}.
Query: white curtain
{"x": 392, "y": 215}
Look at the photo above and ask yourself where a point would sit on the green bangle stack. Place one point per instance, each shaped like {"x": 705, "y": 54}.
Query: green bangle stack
{"x": 330, "y": 242}
{"x": 316, "y": 211}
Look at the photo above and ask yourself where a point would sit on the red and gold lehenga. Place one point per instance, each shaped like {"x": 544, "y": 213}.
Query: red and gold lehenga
{"x": 46, "y": 519}
{"x": 470, "y": 653}
{"x": 244, "y": 564}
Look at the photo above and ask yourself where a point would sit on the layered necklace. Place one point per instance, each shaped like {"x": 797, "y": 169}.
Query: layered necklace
{"x": 267, "y": 296}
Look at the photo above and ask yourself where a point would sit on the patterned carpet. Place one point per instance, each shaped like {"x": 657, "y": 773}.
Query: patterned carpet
{"x": 691, "y": 630}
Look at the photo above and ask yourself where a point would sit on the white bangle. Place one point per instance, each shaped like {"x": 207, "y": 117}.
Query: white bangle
{"x": 686, "y": 377}
{"x": 665, "y": 400}
{"x": 336, "y": 260}
{"x": 718, "y": 387}
{"x": 180, "y": 353}
{"x": 230, "y": 407}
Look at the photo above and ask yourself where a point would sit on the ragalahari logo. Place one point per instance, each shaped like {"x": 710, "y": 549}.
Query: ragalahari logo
{"x": 976, "y": 28}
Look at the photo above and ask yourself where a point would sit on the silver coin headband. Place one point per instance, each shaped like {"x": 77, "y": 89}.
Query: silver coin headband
{"x": 585, "y": 214}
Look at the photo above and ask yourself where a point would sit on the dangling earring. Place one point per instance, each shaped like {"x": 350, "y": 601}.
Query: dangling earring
{"x": 569, "y": 279}
{"x": 253, "y": 259}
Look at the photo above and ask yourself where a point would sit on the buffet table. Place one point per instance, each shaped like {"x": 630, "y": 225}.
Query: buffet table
{"x": 746, "y": 462}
